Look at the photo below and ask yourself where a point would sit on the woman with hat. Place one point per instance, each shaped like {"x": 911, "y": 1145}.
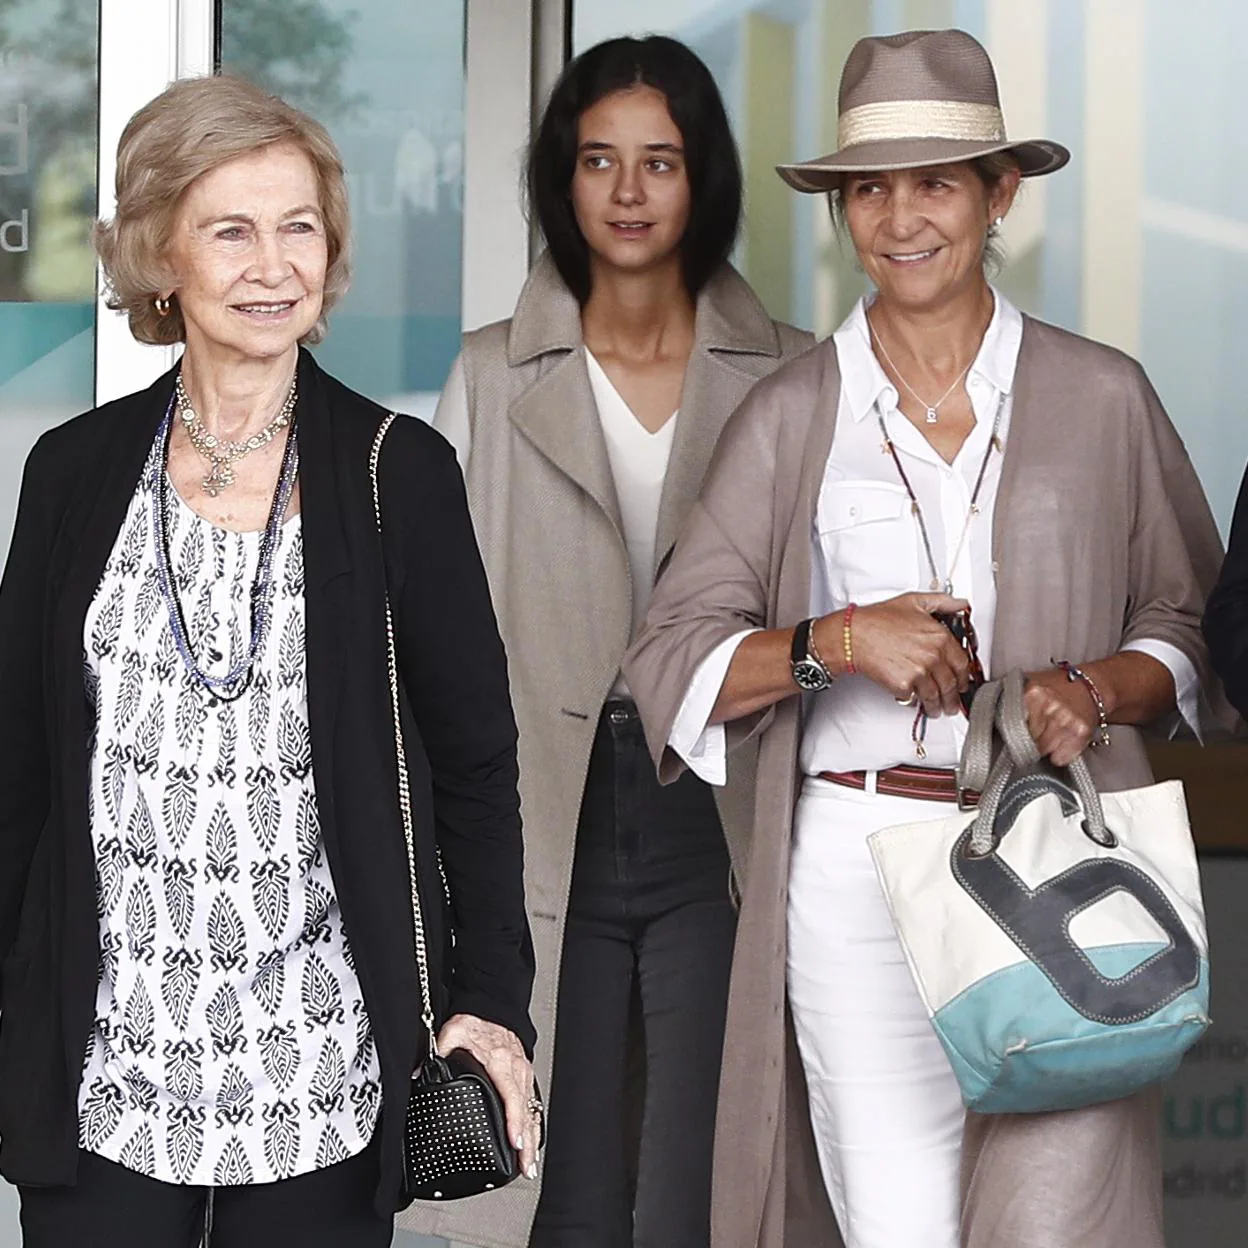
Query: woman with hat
{"x": 942, "y": 453}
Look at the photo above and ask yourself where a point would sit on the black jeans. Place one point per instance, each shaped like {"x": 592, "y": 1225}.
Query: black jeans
{"x": 649, "y": 919}
{"x": 112, "y": 1207}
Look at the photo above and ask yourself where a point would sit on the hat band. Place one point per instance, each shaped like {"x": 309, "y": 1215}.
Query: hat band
{"x": 920, "y": 119}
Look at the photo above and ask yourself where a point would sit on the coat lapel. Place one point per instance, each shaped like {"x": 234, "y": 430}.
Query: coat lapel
{"x": 87, "y": 536}
{"x": 732, "y": 332}
{"x": 792, "y": 593}
{"x": 1018, "y": 451}
{"x": 321, "y": 505}
{"x": 557, "y": 413}
{"x": 328, "y": 578}
{"x": 97, "y": 519}
{"x": 735, "y": 343}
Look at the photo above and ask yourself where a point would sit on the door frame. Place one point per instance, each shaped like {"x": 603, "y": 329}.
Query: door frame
{"x": 513, "y": 52}
{"x": 144, "y": 46}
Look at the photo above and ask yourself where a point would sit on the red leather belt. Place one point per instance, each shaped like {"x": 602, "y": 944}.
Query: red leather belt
{"x": 930, "y": 784}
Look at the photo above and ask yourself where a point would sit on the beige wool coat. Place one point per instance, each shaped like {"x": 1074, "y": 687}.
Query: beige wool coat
{"x": 1101, "y": 535}
{"x": 520, "y": 411}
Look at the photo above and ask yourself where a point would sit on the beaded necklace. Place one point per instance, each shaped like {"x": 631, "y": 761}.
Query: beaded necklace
{"x": 234, "y": 683}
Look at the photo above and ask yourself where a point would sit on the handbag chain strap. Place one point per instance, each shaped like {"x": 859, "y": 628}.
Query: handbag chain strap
{"x": 405, "y": 796}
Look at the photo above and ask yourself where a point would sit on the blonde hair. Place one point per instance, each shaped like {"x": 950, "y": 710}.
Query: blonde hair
{"x": 187, "y": 131}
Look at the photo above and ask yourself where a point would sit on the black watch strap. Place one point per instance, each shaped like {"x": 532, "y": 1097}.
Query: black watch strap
{"x": 801, "y": 641}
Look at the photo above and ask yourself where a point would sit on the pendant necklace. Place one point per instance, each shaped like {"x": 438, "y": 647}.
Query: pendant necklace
{"x": 929, "y": 409}
{"x": 221, "y": 453}
{"x": 234, "y": 683}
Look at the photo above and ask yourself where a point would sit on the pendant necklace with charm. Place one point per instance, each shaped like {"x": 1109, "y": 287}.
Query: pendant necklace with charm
{"x": 221, "y": 453}
{"x": 929, "y": 409}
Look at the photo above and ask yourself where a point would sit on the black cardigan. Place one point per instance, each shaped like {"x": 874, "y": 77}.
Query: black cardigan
{"x": 460, "y": 737}
{"x": 1226, "y": 613}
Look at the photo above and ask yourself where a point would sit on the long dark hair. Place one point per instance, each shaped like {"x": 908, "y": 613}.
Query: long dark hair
{"x": 711, "y": 160}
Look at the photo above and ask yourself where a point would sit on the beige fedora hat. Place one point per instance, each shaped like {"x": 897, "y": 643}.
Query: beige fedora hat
{"x": 925, "y": 97}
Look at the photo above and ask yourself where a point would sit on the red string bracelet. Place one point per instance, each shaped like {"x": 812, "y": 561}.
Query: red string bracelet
{"x": 1074, "y": 673}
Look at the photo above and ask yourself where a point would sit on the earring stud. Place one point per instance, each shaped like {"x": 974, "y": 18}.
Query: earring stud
{"x": 162, "y": 305}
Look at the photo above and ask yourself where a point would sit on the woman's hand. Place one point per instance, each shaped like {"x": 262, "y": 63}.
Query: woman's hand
{"x": 502, "y": 1055}
{"x": 1060, "y": 714}
{"x": 899, "y": 645}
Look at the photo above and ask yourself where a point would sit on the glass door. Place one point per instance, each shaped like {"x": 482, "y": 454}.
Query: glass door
{"x": 388, "y": 82}
{"x": 49, "y": 113}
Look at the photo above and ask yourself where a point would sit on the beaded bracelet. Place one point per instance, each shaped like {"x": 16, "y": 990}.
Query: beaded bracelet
{"x": 847, "y": 639}
{"x": 1074, "y": 673}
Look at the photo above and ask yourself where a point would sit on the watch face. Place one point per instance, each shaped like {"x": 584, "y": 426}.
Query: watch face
{"x": 808, "y": 675}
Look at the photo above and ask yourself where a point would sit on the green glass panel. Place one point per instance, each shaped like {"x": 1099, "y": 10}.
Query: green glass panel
{"x": 48, "y": 129}
{"x": 388, "y": 81}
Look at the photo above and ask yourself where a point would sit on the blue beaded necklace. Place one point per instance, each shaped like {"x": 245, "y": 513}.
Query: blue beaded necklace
{"x": 234, "y": 683}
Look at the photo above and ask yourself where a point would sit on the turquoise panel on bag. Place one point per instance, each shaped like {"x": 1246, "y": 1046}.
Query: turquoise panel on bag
{"x": 1045, "y": 1055}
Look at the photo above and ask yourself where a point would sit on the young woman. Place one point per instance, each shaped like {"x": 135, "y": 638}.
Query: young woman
{"x": 584, "y": 426}
{"x": 941, "y": 449}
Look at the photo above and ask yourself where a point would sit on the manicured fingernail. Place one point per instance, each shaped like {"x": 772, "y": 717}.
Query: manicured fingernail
{"x": 520, "y": 1142}
{"x": 531, "y": 1172}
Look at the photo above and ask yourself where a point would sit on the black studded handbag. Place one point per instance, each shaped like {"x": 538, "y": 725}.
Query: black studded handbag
{"x": 455, "y": 1141}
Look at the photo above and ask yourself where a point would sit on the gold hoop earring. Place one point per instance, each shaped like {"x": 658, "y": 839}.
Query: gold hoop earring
{"x": 162, "y": 305}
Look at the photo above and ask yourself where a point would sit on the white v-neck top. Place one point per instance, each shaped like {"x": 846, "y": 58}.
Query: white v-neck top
{"x": 639, "y": 462}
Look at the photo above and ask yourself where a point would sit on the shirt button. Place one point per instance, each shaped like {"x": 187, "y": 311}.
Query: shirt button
{"x": 996, "y": 567}
{"x": 853, "y": 511}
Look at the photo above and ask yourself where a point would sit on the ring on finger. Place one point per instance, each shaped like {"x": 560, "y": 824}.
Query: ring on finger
{"x": 912, "y": 700}
{"x": 535, "y": 1107}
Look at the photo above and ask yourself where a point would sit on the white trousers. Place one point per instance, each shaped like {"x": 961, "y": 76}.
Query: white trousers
{"x": 884, "y": 1102}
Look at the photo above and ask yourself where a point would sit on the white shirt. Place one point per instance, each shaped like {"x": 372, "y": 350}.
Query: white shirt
{"x": 231, "y": 1044}
{"x": 867, "y": 546}
{"x": 639, "y": 462}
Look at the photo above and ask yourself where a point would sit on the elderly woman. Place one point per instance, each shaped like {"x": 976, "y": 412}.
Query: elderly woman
{"x": 940, "y": 450}
{"x": 585, "y": 425}
{"x": 211, "y": 1009}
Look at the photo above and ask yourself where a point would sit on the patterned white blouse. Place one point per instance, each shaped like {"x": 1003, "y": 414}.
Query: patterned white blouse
{"x": 231, "y": 1043}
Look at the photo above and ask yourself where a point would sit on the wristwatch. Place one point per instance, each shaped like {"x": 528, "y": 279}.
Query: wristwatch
{"x": 809, "y": 673}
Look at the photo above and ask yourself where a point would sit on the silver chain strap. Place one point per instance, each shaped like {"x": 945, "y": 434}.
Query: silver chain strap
{"x": 405, "y": 796}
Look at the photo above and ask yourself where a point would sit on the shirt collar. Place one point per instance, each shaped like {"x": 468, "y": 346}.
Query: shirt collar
{"x": 864, "y": 382}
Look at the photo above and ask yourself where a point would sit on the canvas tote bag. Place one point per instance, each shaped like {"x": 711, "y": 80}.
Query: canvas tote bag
{"x": 1056, "y": 935}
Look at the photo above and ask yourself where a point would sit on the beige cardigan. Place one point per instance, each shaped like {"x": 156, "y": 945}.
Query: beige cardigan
{"x": 521, "y": 413}
{"x": 1101, "y": 535}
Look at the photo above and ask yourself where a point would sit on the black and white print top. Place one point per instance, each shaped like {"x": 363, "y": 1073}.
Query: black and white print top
{"x": 231, "y": 1043}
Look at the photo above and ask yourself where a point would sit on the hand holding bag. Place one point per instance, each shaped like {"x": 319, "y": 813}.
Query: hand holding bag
{"x": 455, "y": 1140}
{"x": 1056, "y": 935}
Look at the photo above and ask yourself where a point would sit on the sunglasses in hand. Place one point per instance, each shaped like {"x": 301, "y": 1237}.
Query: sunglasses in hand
{"x": 959, "y": 624}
